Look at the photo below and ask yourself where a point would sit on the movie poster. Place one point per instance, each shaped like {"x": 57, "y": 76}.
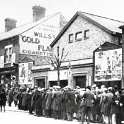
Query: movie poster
{"x": 108, "y": 65}
{"x": 25, "y": 73}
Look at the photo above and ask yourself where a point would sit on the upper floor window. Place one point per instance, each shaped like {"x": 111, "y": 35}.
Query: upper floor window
{"x": 78, "y": 36}
{"x": 86, "y": 34}
{"x": 71, "y": 38}
{"x": 8, "y": 54}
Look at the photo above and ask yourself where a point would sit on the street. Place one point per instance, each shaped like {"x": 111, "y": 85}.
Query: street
{"x": 14, "y": 116}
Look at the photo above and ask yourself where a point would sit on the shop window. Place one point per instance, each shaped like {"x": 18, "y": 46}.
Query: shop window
{"x": 8, "y": 54}
{"x": 86, "y": 34}
{"x": 71, "y": 38}
{"x": 78, "y": 36}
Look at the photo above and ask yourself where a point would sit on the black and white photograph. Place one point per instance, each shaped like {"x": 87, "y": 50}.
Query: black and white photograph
{"x": 62, "y": 61}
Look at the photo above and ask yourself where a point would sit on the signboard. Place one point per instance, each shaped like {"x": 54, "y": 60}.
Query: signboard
{"x": 52, "y": 75}
{"x": 108, "y": 65}
{"x": 37, "y": 40}
{"x": 25, "y": 73}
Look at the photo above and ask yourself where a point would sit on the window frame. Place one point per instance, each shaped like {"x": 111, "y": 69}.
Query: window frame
{"x": 71, "y": 35}
{"x": 8, "y": 51}
{"x": 78, "y": 33}
{"x": 85, "y": 34}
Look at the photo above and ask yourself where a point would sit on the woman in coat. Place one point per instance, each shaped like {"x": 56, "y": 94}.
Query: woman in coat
{"x": 2, "y": 99}
{"x": 116, "y": 108}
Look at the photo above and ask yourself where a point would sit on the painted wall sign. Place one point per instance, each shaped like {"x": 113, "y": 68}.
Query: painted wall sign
{"x": 36, "y": 41}
{"x": 108, "y": 65}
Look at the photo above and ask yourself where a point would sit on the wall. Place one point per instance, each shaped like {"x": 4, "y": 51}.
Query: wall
{"x": 14, "y": 42}
{"x": 83, "y": 49}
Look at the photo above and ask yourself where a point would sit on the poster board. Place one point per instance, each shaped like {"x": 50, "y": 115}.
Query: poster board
{"x": 108, "y": 65}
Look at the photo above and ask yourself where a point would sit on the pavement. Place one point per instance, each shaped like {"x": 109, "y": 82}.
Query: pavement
{"x": 15, "y": 116}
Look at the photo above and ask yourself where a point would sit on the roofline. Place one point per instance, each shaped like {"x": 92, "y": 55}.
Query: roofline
{"x": 79, "y": 13}
{"x": 37, "y": 23}
{"x": 41, "y": 21}
{"x": 64, "y": 29}
{"x": 118, "y": 47}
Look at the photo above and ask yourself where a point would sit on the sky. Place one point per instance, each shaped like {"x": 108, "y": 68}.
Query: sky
{"x": 21, "y": 10}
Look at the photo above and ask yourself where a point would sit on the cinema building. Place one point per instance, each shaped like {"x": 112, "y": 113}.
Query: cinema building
{"x": 82, "y": 39}
{"x": 27, "y": 45}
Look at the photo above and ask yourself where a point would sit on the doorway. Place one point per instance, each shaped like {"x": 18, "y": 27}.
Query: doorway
{"x": 40, "y": 82}
{"x": 80, "y": 81}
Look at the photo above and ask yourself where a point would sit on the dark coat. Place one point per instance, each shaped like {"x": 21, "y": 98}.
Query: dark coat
{"x": 70, "y": 102}
{"x": 3, "y": 97}
{"x": 115, "y": 107}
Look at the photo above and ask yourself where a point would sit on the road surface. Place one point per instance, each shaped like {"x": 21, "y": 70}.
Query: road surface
{"x": 14, "y": 116}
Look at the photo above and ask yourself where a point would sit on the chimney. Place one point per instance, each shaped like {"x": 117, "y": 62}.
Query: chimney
{"x": 38, "y": 13}
{"x": 10, "y": 24}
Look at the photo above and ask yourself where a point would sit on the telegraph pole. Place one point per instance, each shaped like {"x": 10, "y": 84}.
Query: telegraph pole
{"x": 122, "y": 80}
{"x": 58, "y": 66}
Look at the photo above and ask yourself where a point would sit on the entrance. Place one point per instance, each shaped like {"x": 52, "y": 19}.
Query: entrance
{"x": 63, "y": 83}
{"x": 80, "y": 81}
{"x": 40, "y": 82}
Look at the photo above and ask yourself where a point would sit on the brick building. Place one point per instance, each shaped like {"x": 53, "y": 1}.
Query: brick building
{"x": 80, "y": 37}
{"x": 27, "y": 45}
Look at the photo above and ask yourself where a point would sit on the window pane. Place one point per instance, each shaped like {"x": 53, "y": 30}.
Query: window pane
{"x": 6, "y": 51}
{"x": 71, "y": 38}
{"x": 86, "y": 34}
{"x": 10, "y": 50}
{"x": 78, "y": 36}
{"x": 10, "y": 57}
{"x": 6, "y": 59}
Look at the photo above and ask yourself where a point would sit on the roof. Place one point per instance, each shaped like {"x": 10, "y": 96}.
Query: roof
{"x": 109, "y": 25}
{"x": 25, "y": 59}
{"x": 23, "y": 28}
{"x": 107, "y": 46}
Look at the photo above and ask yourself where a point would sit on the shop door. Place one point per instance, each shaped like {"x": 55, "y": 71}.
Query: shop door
{"x": 63, "y": 83}
{"x": 80, "y": 81}
{"x": 40, "y": 83}
{"x": 52, "y": 83}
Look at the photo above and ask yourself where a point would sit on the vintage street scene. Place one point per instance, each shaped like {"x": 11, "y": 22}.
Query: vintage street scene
{"x": 61, "y": 62}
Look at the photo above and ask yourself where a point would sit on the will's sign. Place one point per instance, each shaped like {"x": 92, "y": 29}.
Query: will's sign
{"x": 37, "y": 40}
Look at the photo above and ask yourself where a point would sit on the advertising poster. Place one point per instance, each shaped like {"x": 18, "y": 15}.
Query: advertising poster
{"x": 37, "y": 40}
{"x": 25, "y": 73}
{"x": 108, "y": 65}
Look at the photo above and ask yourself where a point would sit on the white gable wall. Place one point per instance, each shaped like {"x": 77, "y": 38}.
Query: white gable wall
{"x": 83, "y": 49}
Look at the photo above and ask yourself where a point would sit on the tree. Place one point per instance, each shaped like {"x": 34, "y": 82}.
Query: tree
{"x": 56, "y": 61}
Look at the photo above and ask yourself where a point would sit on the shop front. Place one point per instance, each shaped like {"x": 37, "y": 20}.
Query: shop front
{"x": 9, "y": 75}
{"x": 40, "y": 81}
{"x": 40, "y": 78}
{"x": 81, "y": 76}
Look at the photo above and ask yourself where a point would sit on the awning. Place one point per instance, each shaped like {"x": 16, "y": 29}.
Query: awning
{"x": 8, "y": 70}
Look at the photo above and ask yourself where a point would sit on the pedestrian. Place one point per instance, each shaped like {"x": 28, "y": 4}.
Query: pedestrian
{"x": 88, "y": 101}
{"x": 115, "y": 107}
{"x": 2, "y": 99}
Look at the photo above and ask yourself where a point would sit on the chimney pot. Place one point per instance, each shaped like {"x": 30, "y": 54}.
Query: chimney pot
{"x": 38, "y": 13}
{"x": 10, "y": 24}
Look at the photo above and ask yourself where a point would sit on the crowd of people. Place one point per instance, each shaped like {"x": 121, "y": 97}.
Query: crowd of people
{"x": 91, "y": 104}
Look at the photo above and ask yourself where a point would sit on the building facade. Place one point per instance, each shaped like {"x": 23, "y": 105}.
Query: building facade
{"x": 80, "y": 37}
{"x": 27, "y": 45}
